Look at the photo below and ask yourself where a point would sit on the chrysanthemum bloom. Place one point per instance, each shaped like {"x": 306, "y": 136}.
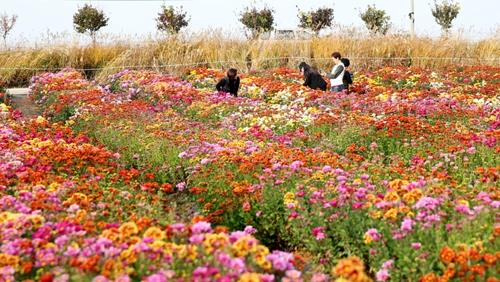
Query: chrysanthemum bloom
{"x": 447, "y": 255}
{"x": 382, "y": 275}
{"x": 372, "y": 235}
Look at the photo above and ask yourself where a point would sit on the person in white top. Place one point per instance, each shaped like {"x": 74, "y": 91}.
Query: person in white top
{"x": 336, "y": 83}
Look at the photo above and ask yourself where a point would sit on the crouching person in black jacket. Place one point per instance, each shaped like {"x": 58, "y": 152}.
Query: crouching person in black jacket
{"x": 312, "y": 78}
{"x": 230, "y": 83}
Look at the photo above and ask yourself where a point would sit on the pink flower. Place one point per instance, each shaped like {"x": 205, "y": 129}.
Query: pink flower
{"x": 318, "y": 233}
{"x": 250, "y": 230}
{"x": 382, "y": 275}
{"x": 292, "y": 276}
{"x": 416, "y": 246}
{"x": 296, "y": 165}
{"x": 327, "y": 168}
{"x": 388, "y": 264}
{"x": 201, "y": 227}
{"x": 471, "y": 150}
{"x": 407, "y": 225}
{"x": 373, "y": 233}
{"x": 319, "y": 277}
{"x": 181, "y": 186}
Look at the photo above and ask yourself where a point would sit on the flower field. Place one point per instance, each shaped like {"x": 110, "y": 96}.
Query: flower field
{"x": 151, "y": 177}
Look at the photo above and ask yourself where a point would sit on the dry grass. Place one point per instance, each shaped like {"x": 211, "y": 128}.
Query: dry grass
{"x": 215, "y": 50}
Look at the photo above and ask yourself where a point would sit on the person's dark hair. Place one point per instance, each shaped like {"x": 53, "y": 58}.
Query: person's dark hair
{"x": 336, "y": 55}
{"x": 231, "y": 73}
{"x": 346, "y": 62}
{"x": 304, "y": 66}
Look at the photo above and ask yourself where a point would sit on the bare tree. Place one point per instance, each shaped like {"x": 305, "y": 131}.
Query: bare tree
{"x": 6, "y": 25}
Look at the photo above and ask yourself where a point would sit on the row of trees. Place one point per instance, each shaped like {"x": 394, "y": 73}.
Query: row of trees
{"x": 89, "y": 20}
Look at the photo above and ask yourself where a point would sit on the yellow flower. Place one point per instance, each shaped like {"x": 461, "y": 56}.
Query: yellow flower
{"x": 128, "y": 229}
{"x": 243, "y": 246}
{"x": 215, "y": 241}
{"x": 370, "y": 197}
{"x": 260, "y": 255}
{"x": 392, "y": 197}
{"x": 9, "y": 260}
{"x": 157, "y": 245}
{"x": 391, "y": 214}
{"x": 4, "y": 108}
{"x": 8, "y": 216}
{"x": 155, "y": 233}
{"x": 111, "y": 234}
{"x": 397, "y": 184}
{"x": 128, "y": 255}
{"x": 37, "y": 220}
{"x": 368, "y": 239}
{"x": 249, "y": 277}
{"x": 413, "y": 196}
{"x": 53, "y": 187}
{"x": 375, "y": 214}
{"x": 40, "y": 120}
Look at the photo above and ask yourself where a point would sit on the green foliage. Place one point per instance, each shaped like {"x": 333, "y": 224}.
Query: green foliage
{"x": 444, "y": 13}
{"x": 376, "y": 20}
{"x": 171, "y": 20}
{"x": 89, "y": 20}
{"x": 257, "y": 21}
{"x": 316, "y": 20}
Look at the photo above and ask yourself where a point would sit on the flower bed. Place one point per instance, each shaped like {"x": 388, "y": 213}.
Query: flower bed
{"x": 396, "y": 181}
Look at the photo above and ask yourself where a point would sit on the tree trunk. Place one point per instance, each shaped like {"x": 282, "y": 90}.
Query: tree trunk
{"x": 93, "y": 36}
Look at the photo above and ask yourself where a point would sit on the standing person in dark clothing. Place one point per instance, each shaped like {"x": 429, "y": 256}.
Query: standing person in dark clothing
{"x": 312, "y": 78}
{"x": 347, "y": 79}
{"x": 230, "y": 83}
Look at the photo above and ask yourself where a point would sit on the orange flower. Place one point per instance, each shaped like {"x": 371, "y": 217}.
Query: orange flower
{"x": 490, "y": 259}
{"x": 447, "y": 255}
{"x": 431, "y": 277}
{"x": 461, "y": 257}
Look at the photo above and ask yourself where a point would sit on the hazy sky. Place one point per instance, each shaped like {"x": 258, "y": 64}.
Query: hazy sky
{"x": 478, "y": 18}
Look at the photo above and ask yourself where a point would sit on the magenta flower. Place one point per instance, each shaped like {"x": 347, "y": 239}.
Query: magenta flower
{"x": 319, "y": 233}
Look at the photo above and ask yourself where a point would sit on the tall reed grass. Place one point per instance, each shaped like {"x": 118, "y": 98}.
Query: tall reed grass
{"x": 219, "y": 51}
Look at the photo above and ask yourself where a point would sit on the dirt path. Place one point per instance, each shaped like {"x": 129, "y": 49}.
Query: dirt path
{"x": 20, "y": 101}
